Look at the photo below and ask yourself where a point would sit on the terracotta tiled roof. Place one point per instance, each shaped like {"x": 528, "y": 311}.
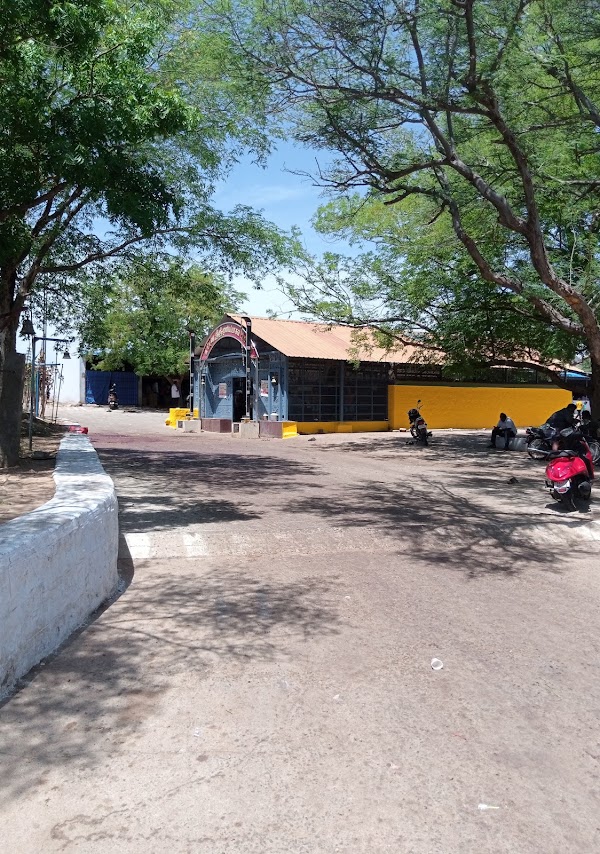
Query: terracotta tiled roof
{"x": 311, "y": 340}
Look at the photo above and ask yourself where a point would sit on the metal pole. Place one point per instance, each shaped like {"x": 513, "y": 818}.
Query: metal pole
{"x": 248, "y": 363}
{"x": 32, "y": 391}
{"x": 34, "y": 339}
{"x": 256, "y": 389}
{"x": 56, "y": 402}
{"x": 191, "y": 394}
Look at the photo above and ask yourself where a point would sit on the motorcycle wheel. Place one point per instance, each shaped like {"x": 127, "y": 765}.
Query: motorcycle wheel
{"x": 537, "y": 449}
{"x": 595, "y": 449}
{"x": 568, "y": 500}
{"x": 423, "y": 438}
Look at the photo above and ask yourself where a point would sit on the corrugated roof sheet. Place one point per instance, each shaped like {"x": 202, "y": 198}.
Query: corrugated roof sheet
{"x": 309, "y": 340}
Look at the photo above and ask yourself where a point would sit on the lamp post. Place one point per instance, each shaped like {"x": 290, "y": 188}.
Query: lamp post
{"x": 34, "y": 340}
{"x": 251, "y": 387}
{"x": 191, "y": 394}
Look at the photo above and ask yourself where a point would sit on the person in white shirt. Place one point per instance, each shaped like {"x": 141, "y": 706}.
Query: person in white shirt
{"x": 506, "y": 428}
{"x": 175, "y": 394}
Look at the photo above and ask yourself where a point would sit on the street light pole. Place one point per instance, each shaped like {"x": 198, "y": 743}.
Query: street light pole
{"x": 191, "y": 394}
{"x": 248, "y": 367}
{"x": 32, "y": 390}
{"x": 34, "y": 340}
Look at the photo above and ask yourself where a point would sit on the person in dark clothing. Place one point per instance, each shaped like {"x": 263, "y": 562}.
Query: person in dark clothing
{"x": 563, "y": 418}
{"x": 589, "y": 427}
{"x": 575, "y": 441}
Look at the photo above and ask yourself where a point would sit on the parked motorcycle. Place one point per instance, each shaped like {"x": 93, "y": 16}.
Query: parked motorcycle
{"x": 539, "y": 441}
{"x": 567, "y": 474}
{"x": 594, "y": 449}
{"x": 113, "y": 402}
{"x": 418, "y": 425}
{"x": 593, "y": 443}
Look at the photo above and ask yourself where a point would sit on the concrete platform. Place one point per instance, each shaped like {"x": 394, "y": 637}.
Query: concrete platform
{"x": 517, "y": 444}
{"x": 248, "y": 430}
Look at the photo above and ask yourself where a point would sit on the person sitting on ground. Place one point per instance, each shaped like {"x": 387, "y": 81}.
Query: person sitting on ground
{"x": 506, "y": 428}
{"x": 563, "y": 418}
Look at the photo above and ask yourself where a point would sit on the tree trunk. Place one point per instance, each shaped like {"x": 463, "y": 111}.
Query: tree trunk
{"x": 11, "y": 398}
{"x": 595, "y": 391}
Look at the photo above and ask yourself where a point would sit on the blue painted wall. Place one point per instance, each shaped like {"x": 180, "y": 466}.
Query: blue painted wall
{"x": 226, "y": 369}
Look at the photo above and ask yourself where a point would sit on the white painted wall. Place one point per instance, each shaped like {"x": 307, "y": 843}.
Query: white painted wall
{"x": 73, "y": 386}
{"x": 58, "y": 563}
{"x": 72, "y": 389}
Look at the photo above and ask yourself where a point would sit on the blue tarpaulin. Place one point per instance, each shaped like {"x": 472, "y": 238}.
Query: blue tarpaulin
{"x": 97, "y": 384}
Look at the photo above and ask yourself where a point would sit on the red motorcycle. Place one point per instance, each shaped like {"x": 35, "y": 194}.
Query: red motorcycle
{"x": 570, "y": 468}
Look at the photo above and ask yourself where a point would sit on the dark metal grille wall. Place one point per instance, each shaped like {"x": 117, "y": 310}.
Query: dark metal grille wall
{"x": 366, "y": 392}
{"x": 316, "y": 387}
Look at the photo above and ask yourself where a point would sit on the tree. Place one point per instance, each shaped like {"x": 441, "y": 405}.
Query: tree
{"x": 114, "y": 131}
{"x": 143, "y": 313}
{"x": 487, "y": 112}
{"x": 415, "y": 286}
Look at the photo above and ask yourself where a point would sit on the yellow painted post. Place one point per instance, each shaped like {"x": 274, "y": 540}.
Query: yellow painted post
{"x": 175, "y": 415}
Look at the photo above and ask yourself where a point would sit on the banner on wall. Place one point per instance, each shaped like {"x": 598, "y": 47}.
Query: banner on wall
{"x": 222, "y": 390}
{"x": 264, "y": 388}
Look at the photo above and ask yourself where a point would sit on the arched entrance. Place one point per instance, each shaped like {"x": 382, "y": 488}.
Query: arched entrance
{"x": 227, "y": 367}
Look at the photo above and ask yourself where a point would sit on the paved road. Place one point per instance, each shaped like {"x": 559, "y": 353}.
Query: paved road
{"x": 263, "y": 683}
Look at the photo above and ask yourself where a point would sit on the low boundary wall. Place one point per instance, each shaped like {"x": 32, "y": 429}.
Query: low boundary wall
{"x": 58, "y": 563}
{"x": 277, "y": 429}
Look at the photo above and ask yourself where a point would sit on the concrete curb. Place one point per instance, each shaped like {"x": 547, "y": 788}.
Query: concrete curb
{"x": 58, "y": 563}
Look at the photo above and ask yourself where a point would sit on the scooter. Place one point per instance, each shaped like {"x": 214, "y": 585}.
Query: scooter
{"x": 418, "y": 425}
{"x": 113, "y": 402}
{"x": 567, "y": 474}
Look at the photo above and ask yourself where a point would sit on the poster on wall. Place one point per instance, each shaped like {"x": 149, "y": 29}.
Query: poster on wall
{"x": 222, "y": 389}
{"x": 264, "y": 388}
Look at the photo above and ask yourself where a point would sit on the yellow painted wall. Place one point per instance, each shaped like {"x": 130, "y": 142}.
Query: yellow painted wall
{"x": 472, "y": 406}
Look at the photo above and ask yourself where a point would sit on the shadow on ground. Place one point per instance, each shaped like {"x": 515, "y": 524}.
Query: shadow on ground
{"x": 452, "y": 528}
{"x": 161, "y": 489}
{"x": 455, "y": 447}
{"x": 97, "y": 692}
{"x": 467, "y": 511}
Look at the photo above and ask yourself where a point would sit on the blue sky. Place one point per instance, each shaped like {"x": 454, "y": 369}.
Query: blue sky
{"x": 285, "y": 199}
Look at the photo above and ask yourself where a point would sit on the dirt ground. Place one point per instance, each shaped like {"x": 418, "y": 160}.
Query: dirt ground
{"x": 30, "y": 484}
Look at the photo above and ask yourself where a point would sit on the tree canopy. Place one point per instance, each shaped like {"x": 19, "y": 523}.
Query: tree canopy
{"x": 411, "y": 281}
{"x": 477, "y": 121}
{"x": 118, "y": 118}
{"x": 142, "y": 315}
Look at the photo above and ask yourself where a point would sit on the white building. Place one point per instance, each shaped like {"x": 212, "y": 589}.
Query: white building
{"x": 69, "y": 373}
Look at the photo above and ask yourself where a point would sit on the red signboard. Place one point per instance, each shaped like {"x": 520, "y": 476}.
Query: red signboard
{"x": 227, "y": 330}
